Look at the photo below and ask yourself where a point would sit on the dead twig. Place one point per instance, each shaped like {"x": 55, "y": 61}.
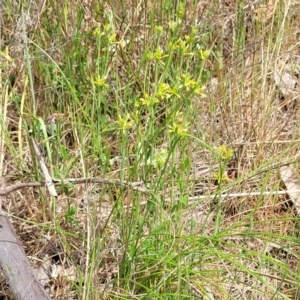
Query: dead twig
{"x": 137, "y": 186}
{"x": 48, "y": 179}
{"x": 16, "y": 267}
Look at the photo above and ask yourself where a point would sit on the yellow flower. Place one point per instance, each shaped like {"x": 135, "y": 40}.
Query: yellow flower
{"x": 125, "y": 122}
{"x": 181, "y": 45}
{"x": 220, "y": 177}
{"x": 97, "y": 32}
{"x": 112, "y": 38}
{"x": 179, "y": 125}
{"x": 164, "y": 91}
{"x": 157, "y": 55}
{"x": 179, "y": 117}
{"x": 191, "y": 85}
{"x": 178, "y": 129}
{"x": 204, "y": 54}
{"x": 188, "y": 82}
{"x": 184, "y": 47}
{"x": 107, "y": 27}
{"x": 148, "y": 101}
{"x": 225, "y": 153}
{"x": 172, "y": 46}
{"x": 199, "y": 91}
{"x": 101, "y": 82}
{"x": 159, "y": 29}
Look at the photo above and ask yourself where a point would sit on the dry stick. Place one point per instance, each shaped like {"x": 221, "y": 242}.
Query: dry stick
{"x": 16, "y": 266}
{"x": 46, "y": 174}
{"x": 22, "y": 281}
{"x": 137, "y": 186}
{"x": 48, "y": 179}
{"x": 226, "y": 196}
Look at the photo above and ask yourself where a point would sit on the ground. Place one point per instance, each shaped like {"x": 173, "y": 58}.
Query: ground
{"x": 182, "y": 114}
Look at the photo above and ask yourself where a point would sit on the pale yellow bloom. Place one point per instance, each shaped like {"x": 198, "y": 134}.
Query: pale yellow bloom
{"x": 159, "y": 29}
{"x": 225, "y": 153}
{"x": 125, "y": 122}
{"x": 164, "y": 91}
{"x": 177, "y": 129}
{"x": 157, "y": 55}
{"x": 204, "y": 54}
{"x": 101, "y": 82}
{"x": 148, "y": 100}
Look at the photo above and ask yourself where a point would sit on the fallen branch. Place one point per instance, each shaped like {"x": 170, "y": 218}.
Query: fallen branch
{"x": 16, "y": 267}
{"x": 137, "y": 186}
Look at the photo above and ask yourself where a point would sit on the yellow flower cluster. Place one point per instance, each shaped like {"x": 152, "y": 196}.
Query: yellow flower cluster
{"x": 125, "y": 122}
{"x": 101, "y": 82}
{"x": 179, "y": 126}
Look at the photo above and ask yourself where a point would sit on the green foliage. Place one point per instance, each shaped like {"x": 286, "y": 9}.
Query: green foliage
{"x": 135, "y": 87}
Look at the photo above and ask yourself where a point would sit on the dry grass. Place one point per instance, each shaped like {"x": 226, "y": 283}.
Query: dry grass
{"x": 114, "y": 243}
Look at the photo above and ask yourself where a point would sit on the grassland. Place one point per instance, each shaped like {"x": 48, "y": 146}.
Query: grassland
{"x": 193, "y": 107}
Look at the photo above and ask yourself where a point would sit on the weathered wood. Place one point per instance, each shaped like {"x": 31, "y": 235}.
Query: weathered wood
{"x": 16, "y": 267}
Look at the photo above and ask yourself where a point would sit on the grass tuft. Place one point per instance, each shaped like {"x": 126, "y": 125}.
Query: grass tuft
{"x": 190, "y": 101}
